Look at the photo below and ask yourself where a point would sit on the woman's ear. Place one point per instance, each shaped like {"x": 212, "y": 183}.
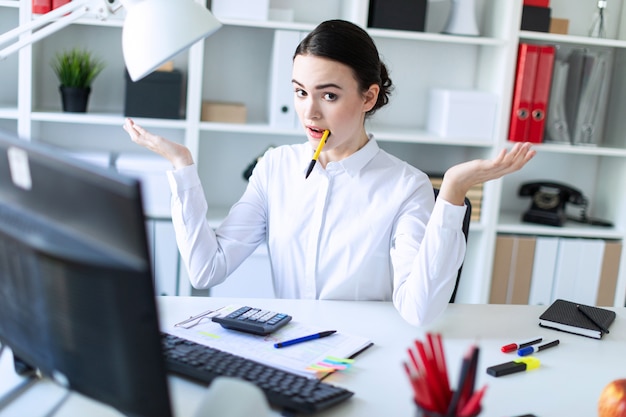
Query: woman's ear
{"x": 371, "y": 97}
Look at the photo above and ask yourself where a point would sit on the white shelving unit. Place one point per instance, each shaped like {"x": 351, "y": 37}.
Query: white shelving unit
{"x": 234, "y": 65}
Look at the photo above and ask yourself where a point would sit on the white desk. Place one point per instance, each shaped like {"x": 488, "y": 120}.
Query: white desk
{"x": 568, "y": 382}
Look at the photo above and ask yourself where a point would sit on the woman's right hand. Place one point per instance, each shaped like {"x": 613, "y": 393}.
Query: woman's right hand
{"x": 176, "y": 153}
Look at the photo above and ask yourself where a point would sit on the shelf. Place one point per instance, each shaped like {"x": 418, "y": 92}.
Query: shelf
{"x": 580, "y": 150}
{"x": 104, "y": 119}
{"x": 476, "y": 227}
{"x": 8, "y": 113}
{"x": 425, "y": 137}
{"x": 578, "y": 40}
{"x": 269, "y": 24}
{"x": 381, "y": 134}
{"x": 435, "y": 37}
{"x": 511, "y": 223}
{"x": 249, "y": 128}
{"x": 10, "y": 3}
{"x": 375, "y": 32}
{"x": 111, "y": 21}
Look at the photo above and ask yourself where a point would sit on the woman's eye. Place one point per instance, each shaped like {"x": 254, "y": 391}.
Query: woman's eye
{"x": 330, "y": 96}
{"x": 300, "y": 93}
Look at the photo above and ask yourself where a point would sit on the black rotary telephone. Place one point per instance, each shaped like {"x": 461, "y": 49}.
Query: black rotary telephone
{"x": 548, "y": 204}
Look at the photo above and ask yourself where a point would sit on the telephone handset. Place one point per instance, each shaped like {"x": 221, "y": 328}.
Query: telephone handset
{"x": 548, "y": 204}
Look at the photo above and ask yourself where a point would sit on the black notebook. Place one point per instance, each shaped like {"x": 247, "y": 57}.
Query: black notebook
{"x": 577, "y": 318}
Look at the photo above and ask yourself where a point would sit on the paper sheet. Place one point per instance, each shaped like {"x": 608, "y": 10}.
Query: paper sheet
{"x": 296, "y": 358}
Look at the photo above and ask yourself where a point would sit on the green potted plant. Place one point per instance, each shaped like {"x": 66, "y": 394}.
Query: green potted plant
{"x": 76, "y": 69}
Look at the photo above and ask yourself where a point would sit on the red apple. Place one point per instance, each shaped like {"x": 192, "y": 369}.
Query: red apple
{"x": 612, "y": 401}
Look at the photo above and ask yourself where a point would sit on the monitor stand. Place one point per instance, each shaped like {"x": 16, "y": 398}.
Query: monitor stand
{"x": 29, "y": 380}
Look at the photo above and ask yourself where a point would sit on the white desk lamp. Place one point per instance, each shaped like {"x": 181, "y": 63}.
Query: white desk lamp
{"x": 154, "y": 30}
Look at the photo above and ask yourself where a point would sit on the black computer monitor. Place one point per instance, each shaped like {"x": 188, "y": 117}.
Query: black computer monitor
{"x": 77, "y": 298}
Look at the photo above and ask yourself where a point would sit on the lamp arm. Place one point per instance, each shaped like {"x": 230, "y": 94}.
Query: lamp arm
{"x": 53, "y": 21}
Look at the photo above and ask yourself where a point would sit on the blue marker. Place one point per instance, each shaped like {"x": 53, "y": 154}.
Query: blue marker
{"x": 529, "y": 350}
{"x": 304, "y": 339}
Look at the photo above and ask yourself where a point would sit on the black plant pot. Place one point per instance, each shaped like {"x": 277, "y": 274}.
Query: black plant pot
{"x": 75, "y": 99}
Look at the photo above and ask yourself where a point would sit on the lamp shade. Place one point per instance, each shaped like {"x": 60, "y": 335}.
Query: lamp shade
{"x": 157, "y": 30}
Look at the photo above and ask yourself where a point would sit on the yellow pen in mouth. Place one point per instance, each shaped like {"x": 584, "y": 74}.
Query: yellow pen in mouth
{"x": 317, "y": 152}
{"x": 321, "y": 144}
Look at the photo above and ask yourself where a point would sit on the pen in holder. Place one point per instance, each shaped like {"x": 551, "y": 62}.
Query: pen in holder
{"x": 427, "y": 372}
{"x": 421, "y": 412}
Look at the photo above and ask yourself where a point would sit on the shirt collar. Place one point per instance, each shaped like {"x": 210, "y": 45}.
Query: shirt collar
{"x": 353, "y": 164}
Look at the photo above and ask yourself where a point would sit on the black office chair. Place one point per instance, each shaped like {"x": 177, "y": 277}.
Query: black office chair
{"x": 465, "y": 227}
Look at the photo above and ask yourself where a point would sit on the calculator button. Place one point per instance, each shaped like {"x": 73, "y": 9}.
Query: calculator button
{"x": 258, "y": 315}
{"x": 253, "y": 320}
{"x": 250, "y": 313}
{"x": 268, "y": 315}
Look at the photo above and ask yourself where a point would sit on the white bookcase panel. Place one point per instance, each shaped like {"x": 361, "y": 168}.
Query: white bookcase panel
{"x": 9, "y": 18}
{"x": 235, "y": 65}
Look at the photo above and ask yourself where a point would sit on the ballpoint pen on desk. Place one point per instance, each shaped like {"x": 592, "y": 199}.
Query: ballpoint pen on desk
{"x": 529, "y": 350}
{"x": 304, "y": 338}
{"x": 512, "y": 347}
{"x": 195, "y": 320}
{"x": 317, "y": 152}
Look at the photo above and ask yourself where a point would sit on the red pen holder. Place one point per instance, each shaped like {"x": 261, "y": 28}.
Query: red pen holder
{"x": 432, "y": 393}
{"x": 421, "y": 412}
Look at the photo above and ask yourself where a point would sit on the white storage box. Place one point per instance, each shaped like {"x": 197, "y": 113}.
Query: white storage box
{"x": 462, "y": 114}
{"x": 101, "y": 159}
{"x": 150, "y": 170}
{"x": 241, "y": 9}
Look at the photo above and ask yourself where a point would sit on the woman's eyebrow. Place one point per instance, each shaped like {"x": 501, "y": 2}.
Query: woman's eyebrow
{"x": 320, "y": 86}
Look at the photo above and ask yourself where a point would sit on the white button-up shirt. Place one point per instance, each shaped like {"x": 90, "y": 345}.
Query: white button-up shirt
{"x": 364, "y": 228}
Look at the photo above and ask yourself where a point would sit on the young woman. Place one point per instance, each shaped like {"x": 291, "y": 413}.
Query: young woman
{"x": 364, "y": 225}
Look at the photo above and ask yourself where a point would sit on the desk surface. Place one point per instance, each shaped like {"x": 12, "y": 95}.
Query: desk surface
{"x": 568, "y": 382}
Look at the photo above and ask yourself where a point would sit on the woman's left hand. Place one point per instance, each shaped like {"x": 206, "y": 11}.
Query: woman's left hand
{"x": 460, "y": 178}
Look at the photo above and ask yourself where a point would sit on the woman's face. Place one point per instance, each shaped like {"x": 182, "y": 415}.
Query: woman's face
{"x": 327, "y": 96}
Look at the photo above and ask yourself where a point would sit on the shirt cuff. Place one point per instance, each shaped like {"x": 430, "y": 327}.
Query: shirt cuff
{"x": 183, "y": 178}
{"x": 447, "y": 215}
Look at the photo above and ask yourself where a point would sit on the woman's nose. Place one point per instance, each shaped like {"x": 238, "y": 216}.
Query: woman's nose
{"x": 311, "y": 110}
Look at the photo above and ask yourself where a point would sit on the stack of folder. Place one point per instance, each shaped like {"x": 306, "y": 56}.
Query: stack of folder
{"x": 475, "y": 195}
{"x": 531, "y": 92}
{"x": 560, "y": 94}
{"x": 45, "y": 6}
{"x": 537, "y": 270}
{"x": 579, "y": 96}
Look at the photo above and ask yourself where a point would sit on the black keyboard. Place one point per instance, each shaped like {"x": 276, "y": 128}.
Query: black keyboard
{"x": 283, "y": 389}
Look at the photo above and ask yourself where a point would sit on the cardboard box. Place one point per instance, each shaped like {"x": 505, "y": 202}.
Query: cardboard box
{"x": 223, "y": 112}
{"x": 241, "y": 9}
{"x": 560, "y": 26}
{"x": 462, "y": 114}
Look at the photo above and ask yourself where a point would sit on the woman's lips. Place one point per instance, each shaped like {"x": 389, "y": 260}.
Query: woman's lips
{"x": 316, "y": 133}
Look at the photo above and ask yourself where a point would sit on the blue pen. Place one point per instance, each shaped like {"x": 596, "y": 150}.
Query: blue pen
{"x": 304, "y": 339}
{"x": 532, "y": 349}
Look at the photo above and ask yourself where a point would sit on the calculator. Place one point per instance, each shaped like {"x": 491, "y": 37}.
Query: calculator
{"x": 253, "y": 320}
